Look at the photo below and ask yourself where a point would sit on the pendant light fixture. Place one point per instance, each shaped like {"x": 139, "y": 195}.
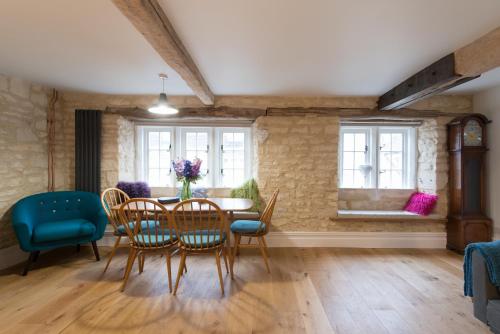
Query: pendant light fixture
{"x": 162, "y": 107}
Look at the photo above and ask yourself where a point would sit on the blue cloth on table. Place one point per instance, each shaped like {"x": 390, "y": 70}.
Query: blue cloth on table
{"x": 491, "y": 254}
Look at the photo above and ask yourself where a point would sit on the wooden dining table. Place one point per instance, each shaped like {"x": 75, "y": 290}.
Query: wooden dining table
{"x": 227, "y": 205}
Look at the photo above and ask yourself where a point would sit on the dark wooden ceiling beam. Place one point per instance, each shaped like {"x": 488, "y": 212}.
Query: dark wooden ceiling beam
{"x": 149, "y": 18}
{"x": 464, "y": 64}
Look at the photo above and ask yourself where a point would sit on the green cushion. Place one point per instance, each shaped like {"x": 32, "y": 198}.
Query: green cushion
{"x": 144, "y": 225}
{"x": 154, "y": 240}
{"x": 64, "y": 229}
{"x": 204, "y": 240}
{"x": 247, "y": 226}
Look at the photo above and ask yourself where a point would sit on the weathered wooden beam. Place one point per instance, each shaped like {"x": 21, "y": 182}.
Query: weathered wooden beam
{"x": 465, "y": 64}
{"x": 432, "y": 80}
{"x": 479, "y": 56}
{"x": 191, "y": 113}
{"x": 360, "y": 113}
{"x": 149, "y": 19}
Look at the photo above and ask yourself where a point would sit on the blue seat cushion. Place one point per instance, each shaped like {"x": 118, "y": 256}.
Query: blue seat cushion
{"x": 144, "y": 225}
{"x": 64, "y": 229}
{"x": 247, "y": 226}
{"x": 154, "y": 240}
{"x": 203, "y": 239}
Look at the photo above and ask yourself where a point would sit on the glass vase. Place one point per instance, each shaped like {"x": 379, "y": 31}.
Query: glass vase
{"x": 186, "y": 190}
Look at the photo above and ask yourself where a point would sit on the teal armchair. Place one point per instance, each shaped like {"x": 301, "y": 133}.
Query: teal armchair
{"x": 56, "y": 219}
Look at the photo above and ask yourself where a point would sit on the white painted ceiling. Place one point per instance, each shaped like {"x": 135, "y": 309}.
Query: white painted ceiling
{"x": 264, "y": 47}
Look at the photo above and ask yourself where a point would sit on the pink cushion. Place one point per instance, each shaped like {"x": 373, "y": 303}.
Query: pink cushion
{"x": 421, "y": 203}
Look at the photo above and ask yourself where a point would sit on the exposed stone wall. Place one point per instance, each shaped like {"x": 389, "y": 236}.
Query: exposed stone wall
{"x": 298, "y": 155}
{"x": 432, "y": 163}
{"x": 126, "y": 150}
{"x": 23, "y": 143}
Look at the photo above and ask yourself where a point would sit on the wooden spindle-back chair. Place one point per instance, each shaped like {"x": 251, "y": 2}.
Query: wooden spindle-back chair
{"x": 149, "y": 227}
{"x": 255, "y": 229}
{"x": 110, "y": 198}
{"x": 201, "y": 227}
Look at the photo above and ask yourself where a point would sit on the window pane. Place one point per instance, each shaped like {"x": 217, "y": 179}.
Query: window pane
{"x": 348, "y": 160}
{"x": 348, "y": 142}
{"x": 239, "y": 159}
{"x": 385, "y": 161}
{"x": 164, "y": 177}
{"x": 359, "y": 179}
{"x": 154, "y": 177}
{"x": 202, "y": 141}
{"x": 154, "y": 159}
{"x": 396, "y": 180}
{"x": 397, "y": 142}
{"x": 227, "y": 178}
{"x": 359, "y": 159}
{"x": 165, "y": 140}
{"x": 385, "y": 142}
{"x": 164, "y": 159}
{"x": 347, "y": 178}
{"x": 190, "y": 141}
{"x": 397, "y": 161}
{"x": 360, "y": 142}
{"x": 384, "y": 180}
{"x": 154, "y": 140}
{"x": 228, "y": 141}
{"x": 239, "y": 141}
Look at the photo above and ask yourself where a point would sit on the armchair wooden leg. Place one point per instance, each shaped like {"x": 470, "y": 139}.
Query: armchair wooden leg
{"x": 32, "y": 258}
{"x": 182, "y": 265}
{"x": 219, "y": 270}
{"x": 264, "y": 255}
{"x": 113, "y": 251}
{"x": 96, "y": 251}
{"x": 169, "y": 272}
{"x": 130, "y": 263}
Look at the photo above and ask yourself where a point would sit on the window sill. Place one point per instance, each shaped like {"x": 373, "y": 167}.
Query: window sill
{"x": 384, "y": 216}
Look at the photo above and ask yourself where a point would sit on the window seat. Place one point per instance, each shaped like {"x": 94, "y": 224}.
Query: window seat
{"x": 384, "y": 216}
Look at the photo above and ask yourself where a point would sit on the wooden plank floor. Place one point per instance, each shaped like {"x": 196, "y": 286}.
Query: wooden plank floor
{"x": 312, "y": 290}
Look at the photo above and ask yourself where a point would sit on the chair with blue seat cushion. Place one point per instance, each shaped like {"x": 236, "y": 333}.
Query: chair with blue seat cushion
{"x": 111, "y": 198}
{"x": 56, "y": 219}
{"x": 255, "y": 229}
{"x": 149, "y": 228}
{"x": 200, "y": 225}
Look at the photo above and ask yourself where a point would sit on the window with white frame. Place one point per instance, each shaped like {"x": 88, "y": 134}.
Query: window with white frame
{"x": 225, "y": 152}
{"x": 377, "y": 157}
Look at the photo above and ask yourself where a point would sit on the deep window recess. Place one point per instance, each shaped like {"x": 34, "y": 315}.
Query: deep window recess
{"x": 377, "y": 157}
{"x": 225, "y": 151}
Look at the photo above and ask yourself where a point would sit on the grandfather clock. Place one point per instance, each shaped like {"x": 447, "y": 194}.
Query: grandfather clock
{"x": 467, "y": 146}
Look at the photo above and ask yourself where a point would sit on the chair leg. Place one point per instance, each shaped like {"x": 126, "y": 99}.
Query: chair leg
{"x": 265, "y": 246}
{"x": 219, "y": 270}
{"x": 130, "y": 263}
{"x": 182, "y": 264}
{"x": 237, "y": 239}
{"x": 141, "y": 259}
{"x": 264, "y": 255}
{"x": 225, "y": 259}
{"x": 113, "y": 251}
{"x": 249, "y": 240}
{"x": 32, "y": 258}
{"x": 169, "y": 272}
{"x": 96, "y": 251}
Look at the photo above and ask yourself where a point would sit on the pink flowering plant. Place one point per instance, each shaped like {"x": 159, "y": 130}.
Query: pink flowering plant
{"x": 187, "y": 171}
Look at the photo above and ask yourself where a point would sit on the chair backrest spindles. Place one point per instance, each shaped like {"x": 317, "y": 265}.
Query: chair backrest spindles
{"x": 110, "y": 198}
{"x": 148, "y": 223}
{"x": 199, "y": 222}
{"x": 267, "y": 214}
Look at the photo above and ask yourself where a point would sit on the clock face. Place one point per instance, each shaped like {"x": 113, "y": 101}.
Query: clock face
{"x": 473, "y": 134}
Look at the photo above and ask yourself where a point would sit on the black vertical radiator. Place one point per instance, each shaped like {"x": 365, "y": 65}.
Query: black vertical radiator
{"x": 88, "y": 150}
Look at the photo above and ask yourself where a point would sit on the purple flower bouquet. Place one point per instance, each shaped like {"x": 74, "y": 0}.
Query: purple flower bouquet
{"x": 187, "y": 171}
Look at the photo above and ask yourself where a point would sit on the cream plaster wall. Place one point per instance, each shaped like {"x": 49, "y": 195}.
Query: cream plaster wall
{"x": 488, "y": 103}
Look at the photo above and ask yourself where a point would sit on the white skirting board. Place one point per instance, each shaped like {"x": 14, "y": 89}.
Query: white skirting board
{"x": 14, "y": 255}
{"x": 344, "y": 239}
